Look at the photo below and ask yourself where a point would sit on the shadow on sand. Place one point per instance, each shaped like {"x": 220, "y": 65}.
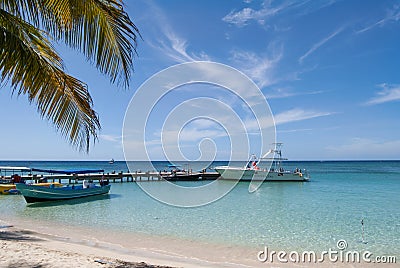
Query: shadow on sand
{"x": 20, "y": 235}
{"x": 25, "y": 265}
{"x": 123, "y": 264}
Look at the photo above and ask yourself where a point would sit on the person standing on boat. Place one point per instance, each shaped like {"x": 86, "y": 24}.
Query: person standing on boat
{"x": 255, "y": 167}
{"x": 102, "y": 180}
{"x": 16, "y": 178}
{"x": 85, "y": 184}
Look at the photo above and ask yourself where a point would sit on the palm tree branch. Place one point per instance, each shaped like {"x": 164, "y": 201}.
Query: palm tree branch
{"x": 107, "y": 36}
{"x": 101, "y": 29}
{"x": 32, "y": 67}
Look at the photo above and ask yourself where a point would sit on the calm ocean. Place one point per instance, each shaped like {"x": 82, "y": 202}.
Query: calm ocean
{"x": 281, "y": 215}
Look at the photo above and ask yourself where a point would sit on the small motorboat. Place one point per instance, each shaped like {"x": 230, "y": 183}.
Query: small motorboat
{"x": 37, "y": 193}
{"x": 182, "y": 176}
{"x": 8, "y": 189}
{"x": 176, "y": 174}
{"x": 7, "y": 182}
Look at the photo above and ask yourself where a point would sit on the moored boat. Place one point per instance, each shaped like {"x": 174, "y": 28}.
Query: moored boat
{"x": 182, "y": 176}
{"x": 8, "y": 189}
{"x": 11, "y": 188}
{"x": 253, "y": 169}
{"x": 176, "y": 174}
{"x": 35, "y": 193}
{"x": 10, "y": 175}
{"x": 9, "y": 170}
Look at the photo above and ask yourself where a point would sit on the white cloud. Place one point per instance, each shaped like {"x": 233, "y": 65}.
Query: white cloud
{"x": 169, "y": 42}
{"x": 260, "y": 68}
{"x": 294, "y": 130}
{"x": 111, "y": 138}
{"x": 284, "y": 118}
{"x": 203, "y": 123}
{"x": 197, "y": 139}
{"x": 267, "y": 11}
{"x": 195, "y": 132}
{"x": 286, "y": 93}
{"x": 387, "y": 94}
{"x": 297, "y": 115}
{"x": 176, "y": 47}
{"x": 364, "y": 148}
{"x": 319, "y": 44}
{"x": 392, "y": 14}
{"x": 242, "y": 17}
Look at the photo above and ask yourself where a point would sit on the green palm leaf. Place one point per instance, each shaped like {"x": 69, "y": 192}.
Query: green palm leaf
{"x": 100, "y": 29}
{"x": 32, "y": 66}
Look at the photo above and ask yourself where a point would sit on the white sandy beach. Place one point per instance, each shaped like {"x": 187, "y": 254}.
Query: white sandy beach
{"x": 32, "y": 244}
{"x": 25, "y": 248}
{"x": 28, "y": 244}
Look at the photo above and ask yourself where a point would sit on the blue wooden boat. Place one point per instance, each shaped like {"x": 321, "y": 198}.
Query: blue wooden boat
{"x": 34, "y": 193}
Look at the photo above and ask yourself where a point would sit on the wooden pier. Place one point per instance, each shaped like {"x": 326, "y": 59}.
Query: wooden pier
{"x": 121, "y": 177}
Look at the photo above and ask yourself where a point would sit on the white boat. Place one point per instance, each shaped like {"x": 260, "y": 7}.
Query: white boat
{"x": 111, "y": 161}
{"x": 253, "y": 169}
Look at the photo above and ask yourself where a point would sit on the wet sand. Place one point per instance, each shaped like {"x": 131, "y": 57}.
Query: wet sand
{"x": 41, "y": 244}
{"x": 22, "y": 248}
{"x": 37, "y": 244}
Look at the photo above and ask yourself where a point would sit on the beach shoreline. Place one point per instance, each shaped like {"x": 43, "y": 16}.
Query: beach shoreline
{"x": 39, "y": 244}
{"x": 24, "y": 248}
{"x": 88, "y": 246}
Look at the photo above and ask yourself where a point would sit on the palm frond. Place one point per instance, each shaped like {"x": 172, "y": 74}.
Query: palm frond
{"x": 101, "y": 29}
{"x": 107, "y": 36}
{"x": 30, "y": 64}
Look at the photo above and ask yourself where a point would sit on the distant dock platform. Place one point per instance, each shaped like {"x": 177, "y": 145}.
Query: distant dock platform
{"x": 122, "y": 177}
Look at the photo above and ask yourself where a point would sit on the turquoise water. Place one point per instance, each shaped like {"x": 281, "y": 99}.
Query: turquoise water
{"x": 282, "y": 215}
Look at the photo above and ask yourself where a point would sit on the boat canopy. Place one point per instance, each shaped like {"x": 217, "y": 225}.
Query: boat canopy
{"x": 68, "y": 172}
{"x": 8, "y": 168}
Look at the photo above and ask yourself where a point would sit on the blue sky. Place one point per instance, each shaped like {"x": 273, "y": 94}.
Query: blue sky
{"x": 329, "y": 70}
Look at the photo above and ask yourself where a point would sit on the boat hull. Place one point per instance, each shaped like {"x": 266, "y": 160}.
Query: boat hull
{"x": 33, "y": 193}
{"x": 182, "y": 177}
{"x": 230, "y": 173}
{"x": 6, "y": 188}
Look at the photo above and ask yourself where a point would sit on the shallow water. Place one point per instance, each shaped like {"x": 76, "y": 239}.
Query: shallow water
{"x": 281, "y": 215}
